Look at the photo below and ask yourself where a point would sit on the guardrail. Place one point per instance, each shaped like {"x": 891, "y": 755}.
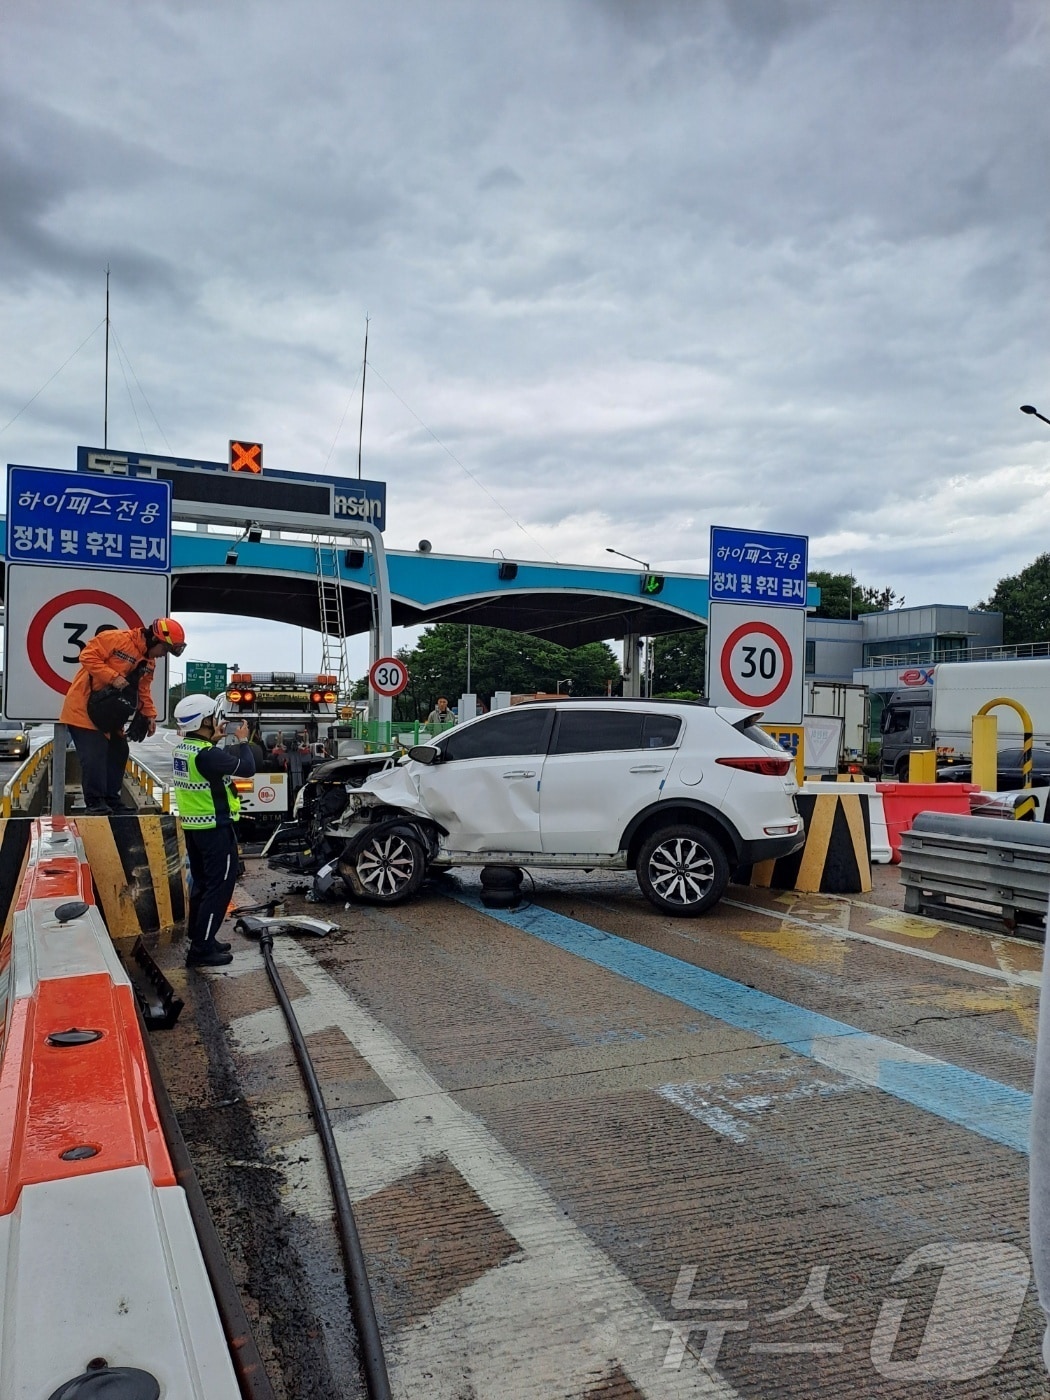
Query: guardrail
{"x": 964, "y": 868}
{"x": 151, "y": 787}
{"x": 28, "y": 777}
{"x": 25, "y": 776}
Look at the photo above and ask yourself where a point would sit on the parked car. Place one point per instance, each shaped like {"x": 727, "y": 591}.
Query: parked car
{"x": 678, "y": 792}
{"x": 14, "y": 740}
{"x": 1009, "y": 776}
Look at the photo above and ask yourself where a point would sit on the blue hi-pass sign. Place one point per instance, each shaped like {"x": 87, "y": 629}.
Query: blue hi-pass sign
{"x": 750, "y": 566}
{"x": 56, "y": 517}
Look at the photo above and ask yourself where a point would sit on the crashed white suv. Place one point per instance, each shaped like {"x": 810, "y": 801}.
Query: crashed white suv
{"x": 680, "y": 793}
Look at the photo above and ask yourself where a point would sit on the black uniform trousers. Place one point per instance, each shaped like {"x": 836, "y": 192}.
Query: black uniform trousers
{"x": 214, "y": 861}
{"x": 103, "y": 759}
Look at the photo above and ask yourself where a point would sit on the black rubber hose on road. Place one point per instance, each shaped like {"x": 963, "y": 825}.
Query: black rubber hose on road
{"x": 373, "y": 1359}
{"x": 247, "y": 1363}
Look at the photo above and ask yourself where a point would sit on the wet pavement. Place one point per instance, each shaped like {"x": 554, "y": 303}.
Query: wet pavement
{"x": 596, "y": 1151}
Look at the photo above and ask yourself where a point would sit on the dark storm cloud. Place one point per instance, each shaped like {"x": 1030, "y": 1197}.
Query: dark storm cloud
{"x": 632, "y": 267}
{"x": 49, "y": 164}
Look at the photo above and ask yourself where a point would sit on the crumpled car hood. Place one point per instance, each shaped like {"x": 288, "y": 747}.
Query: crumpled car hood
{"x": 394, "y": 787}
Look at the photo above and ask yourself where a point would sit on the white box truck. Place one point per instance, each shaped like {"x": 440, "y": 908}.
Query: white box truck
{"x": 939, "y": 713}
{"x": 835, "y": 720}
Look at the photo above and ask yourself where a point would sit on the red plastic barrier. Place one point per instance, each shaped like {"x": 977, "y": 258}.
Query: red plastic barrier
{"x": 904, "y": 801}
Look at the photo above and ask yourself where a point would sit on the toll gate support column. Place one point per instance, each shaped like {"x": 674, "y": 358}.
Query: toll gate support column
{"x": 632, "y": 666}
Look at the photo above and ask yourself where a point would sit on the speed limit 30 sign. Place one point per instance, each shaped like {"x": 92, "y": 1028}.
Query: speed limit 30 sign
{"x": 388, "y": 676}
{"x": 756, "y": 659}
{"x": 51, "y": 612}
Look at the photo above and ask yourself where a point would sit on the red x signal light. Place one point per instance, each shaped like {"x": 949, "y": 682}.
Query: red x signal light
{"x": 246, "y": 457}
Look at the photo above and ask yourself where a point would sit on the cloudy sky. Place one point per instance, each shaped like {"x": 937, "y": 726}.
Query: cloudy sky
{"x": 631, "y": 267}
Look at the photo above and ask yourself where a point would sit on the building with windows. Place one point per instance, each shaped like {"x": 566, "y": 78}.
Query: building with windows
{"x": 874, "y": 649}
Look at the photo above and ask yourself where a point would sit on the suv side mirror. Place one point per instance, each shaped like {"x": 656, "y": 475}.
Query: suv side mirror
{"x": 424, "y": 753}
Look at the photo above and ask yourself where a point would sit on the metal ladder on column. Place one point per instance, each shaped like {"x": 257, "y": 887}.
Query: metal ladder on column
{"x": 331, "y": 615}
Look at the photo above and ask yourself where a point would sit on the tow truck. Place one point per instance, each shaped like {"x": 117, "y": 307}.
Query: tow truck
{"x": 293, "y": 720}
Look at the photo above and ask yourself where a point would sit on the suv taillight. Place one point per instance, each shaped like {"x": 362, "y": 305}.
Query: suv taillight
{"x": 771, "y": 767}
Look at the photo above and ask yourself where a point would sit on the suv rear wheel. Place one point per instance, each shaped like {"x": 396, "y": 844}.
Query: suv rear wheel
{"x": 683, "y": 870}
{"x": 388, "y": 869}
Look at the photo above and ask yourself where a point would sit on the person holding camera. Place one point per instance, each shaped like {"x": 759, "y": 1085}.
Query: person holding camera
{"x": 114, "y": 683}
{"x": 208, "y": 811}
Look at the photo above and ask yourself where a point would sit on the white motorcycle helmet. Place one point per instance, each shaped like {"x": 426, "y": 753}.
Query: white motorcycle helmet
{"x": 193, "y": 710}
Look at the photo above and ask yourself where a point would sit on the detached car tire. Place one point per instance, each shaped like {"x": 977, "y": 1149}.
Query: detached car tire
{"x": 387, "y": 869}
{"x": 682, "y": 870}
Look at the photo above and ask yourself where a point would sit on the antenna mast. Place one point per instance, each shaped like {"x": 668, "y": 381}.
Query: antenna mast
{"x": 361, "y": 429}
{"x": 105, "y": 406}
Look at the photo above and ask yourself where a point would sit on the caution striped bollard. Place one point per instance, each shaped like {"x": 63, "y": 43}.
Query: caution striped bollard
{"x": 835, "y": 858}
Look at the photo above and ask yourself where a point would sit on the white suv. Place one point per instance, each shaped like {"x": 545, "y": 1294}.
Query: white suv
{"x": 680, "y": 793}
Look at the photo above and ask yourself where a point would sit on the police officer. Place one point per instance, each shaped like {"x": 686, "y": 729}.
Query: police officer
{"x": 209, "y": 809}
{"x": 118, "y": 658}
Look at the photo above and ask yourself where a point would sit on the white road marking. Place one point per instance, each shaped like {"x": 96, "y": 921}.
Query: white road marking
{"x": 728, "y": 1105}
{"x": 556, "y": 1318}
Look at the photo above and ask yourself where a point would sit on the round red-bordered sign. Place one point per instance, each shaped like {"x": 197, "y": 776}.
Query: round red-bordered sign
{"x": 786, "y": 666}
{"x": 38, "y": 626}
{"x": 266, "y": 794}
{"x": 388, "y": 676}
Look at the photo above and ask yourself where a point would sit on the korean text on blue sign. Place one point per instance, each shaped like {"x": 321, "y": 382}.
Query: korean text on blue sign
{"x": 56, "y": 517}
{"x": 749, "y": 566}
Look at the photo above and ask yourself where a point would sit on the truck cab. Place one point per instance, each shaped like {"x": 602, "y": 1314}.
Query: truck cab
{"x": 289, "y": 715}
{"x": 906, "y": 727}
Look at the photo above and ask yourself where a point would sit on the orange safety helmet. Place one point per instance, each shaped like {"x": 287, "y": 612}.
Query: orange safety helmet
{"x": 170, "y": 632}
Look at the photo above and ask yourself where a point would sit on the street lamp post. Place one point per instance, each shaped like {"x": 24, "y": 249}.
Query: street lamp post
{"x": 1027, "y": 408}
{"x": 633, "y": 560}
{"x": 566, "y": 681}
{"x": 647, "y": 682}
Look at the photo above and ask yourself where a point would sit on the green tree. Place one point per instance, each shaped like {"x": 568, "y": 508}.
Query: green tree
{"x": 1024, "y": 601}
{"x": 499, "y": 660}
{"x": 679, "y": 661}
{"x": 842, "y": 596}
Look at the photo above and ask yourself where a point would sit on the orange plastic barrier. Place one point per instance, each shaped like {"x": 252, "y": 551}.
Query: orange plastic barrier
{"x": 903, "y": 802}
{"x": 75, "y": 1091}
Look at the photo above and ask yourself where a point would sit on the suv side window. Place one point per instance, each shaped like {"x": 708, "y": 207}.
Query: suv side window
{"x": 521, "y": 731}
{"x": 660, "y": 731}
{"x": 598, "y": 731}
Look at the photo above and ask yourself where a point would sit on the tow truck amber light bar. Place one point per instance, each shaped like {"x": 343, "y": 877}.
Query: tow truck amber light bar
{"x": 770, "y": 767}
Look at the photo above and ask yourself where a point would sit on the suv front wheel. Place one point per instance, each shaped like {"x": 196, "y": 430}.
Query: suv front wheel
{"x": 683, "y": 870}
{"x": 387, "y": 869}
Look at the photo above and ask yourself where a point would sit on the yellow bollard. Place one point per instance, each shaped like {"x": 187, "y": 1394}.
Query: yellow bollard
{"x": 985, "y": 767}
{"x": 922, "y": 767}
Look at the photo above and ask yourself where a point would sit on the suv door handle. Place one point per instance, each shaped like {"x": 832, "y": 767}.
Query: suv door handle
{"x": 648, "y": 768}
{"x": 522, "y": 773}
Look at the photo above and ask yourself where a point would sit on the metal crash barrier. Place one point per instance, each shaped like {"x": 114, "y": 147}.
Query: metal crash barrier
{"x": 978, "y": 870}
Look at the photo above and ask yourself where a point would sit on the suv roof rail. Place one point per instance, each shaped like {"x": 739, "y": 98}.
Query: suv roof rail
{"x": 606, "y": 699}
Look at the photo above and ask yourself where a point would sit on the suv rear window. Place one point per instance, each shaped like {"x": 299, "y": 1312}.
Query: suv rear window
{"x": 759, "y": 736}
{"x": 603, "y": 731}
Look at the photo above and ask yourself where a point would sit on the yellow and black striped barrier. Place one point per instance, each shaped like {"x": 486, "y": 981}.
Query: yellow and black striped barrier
{"x": 835, "y": 858}
{"x": 137, "y": 864}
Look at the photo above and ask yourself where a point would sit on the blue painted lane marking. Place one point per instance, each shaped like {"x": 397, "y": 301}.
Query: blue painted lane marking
{"x": 972, "y": 1101}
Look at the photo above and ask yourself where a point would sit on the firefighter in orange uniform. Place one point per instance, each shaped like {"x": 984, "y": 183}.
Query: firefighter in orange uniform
{"x": 114, "y": 658}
